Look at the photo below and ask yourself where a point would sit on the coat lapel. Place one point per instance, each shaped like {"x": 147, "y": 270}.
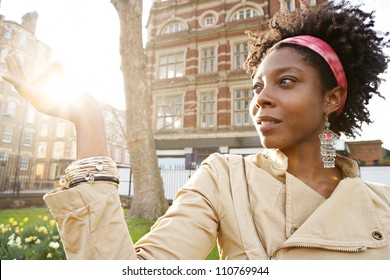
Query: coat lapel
{"x": 347, "y": 218}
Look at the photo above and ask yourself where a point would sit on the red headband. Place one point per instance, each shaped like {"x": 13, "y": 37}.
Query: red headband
{"x": 327, "y": 53}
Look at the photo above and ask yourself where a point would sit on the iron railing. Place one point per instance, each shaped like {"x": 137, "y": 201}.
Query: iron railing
{"x": 30, "y": 176}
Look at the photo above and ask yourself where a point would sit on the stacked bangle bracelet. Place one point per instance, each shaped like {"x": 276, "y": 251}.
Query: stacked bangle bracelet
{"x": 90, "y": 170}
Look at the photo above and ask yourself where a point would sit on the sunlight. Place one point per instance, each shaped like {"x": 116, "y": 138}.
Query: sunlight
{"x": 63, "y": 88}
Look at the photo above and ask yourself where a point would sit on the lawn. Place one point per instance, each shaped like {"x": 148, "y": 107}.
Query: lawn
{"x": 137, "y": 227}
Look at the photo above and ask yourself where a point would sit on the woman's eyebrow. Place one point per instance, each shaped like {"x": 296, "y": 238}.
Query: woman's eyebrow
{"x": 279, "y": 71}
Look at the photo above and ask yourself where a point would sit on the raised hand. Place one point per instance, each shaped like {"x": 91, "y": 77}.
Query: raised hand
{"x": 52, "y": 93}
{"x": 63, "y": 100}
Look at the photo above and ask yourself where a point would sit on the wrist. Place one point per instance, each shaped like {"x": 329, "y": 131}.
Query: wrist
{"x": 91, "y": 135}
{"x": 89, "y": 170}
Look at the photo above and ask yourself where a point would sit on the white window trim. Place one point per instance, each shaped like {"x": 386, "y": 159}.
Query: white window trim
{"x": 232, "y": 45}
{"x": 205, "y": 15}
{"x": 169, "y": 21}
{"x": 28, "y": 135}
{"x": 162, "y": 95}
{"x": 201, "y": 48}
{"x": 171, "y": 52}
{"x": 11, "y": 134}
{"x": 233, "y": 123}
{"x": 245, "y": 4}
{"x": 199, "y": 103}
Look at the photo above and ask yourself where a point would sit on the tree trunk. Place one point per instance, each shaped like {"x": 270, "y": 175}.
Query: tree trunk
{"x": 149, "y": 199}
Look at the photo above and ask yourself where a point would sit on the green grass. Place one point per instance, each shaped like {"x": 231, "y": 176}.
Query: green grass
{"x": 137, "y": 227}
{"x": 19, "y": 214}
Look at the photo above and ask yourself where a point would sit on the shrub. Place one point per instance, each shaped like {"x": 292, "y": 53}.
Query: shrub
{"x": 20, "y": 240}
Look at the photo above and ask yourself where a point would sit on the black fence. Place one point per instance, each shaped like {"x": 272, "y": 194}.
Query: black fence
{"x": 25, "y": 175}
{"x": 174, "y": 177}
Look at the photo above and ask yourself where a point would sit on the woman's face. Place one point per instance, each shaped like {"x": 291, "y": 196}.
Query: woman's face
{"x": 287, "y": 108}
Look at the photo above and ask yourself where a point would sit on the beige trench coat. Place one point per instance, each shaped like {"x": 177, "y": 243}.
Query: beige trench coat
{"x": 257, "y": 211}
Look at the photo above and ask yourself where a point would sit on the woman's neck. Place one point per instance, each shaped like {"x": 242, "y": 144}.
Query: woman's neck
{"x": 306, "y": 164}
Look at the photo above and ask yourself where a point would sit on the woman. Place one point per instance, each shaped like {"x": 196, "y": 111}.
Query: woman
{"x": 313, "y": 73}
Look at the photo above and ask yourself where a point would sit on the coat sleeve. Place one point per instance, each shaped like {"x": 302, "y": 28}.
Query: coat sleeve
{"x": 91, "y": 222}
{"x": 189, "y": 228}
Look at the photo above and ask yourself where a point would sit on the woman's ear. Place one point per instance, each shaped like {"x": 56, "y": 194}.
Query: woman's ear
{"x": 333, "y": 100}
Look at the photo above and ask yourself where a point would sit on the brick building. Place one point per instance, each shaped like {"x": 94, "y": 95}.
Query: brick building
{"x": 34, "y": 148}
{"x": 201, "y": 94}
{"x": 367, "y": 152}
{"x": 19, "y": 121}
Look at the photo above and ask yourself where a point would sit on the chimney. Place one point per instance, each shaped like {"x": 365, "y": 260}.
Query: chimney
{"x": 29, "y": 21}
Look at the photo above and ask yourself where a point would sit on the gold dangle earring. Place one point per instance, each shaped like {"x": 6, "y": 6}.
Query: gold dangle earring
{"x": 328, "y": 140}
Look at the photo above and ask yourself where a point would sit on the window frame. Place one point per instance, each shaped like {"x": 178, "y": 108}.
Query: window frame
{"x": 208, "y": 63}
{"x": 243, "y": 111}
{"x": 161, "y": 108}
{"x": 7, "y": 134}
{"x": 253, "y": 13}
{"x": 173, "y": 27}
{"x": 242, "y": 54}
{"x": 178, "y": 63}
{"x": 208, "y": 115}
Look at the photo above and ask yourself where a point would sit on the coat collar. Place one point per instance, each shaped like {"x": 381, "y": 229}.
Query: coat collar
{"x": 352, "y": 217}
{"x": 349, "y": 218}
{"x": 276, "y": 162}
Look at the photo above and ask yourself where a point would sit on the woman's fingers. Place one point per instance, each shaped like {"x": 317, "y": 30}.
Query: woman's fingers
{"x": 15, "y": 66}
{"x": 54, "y": 92}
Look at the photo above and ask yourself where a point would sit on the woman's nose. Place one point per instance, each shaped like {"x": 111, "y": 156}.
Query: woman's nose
{"x": 263, "y": 98}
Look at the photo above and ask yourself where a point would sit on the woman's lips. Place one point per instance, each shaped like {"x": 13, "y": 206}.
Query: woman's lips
{"x": 267, "y": 122}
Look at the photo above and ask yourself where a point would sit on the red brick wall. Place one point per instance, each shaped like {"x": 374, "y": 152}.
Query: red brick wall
{"x": 366, "y": 152}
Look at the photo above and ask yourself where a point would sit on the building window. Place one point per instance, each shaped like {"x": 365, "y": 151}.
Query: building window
{"x": 171, "y": 66}
{"x": 208, "y": 60}
{"x": 245, "y": 13}
{"x": 53, "y": 171}
{"x": 24, "y": 162}
{"x": 207, "y": 110}
{"x": 11, "y": 108}
{"x": 30, "y": 118}
{"x": 60, "y": 130}
{"x": 208, "y": 19}
{"x": 173, "y": 27}
{"x": 7, "y": 134}
{"x": 27, "y": 138}
{"x": 169, "y": 112}
{"x": 23, "y": 39}
{"x": 312, "y": 2}
{"x": 4, "y": 156}
{"x": 44, "y": 132}
{"x": 240, "y": 53}
{"x": 288, "y": 5}
{"x": 242, "y": 99}
{"x": 42, "y": 147}
{"x": 8, "y": 33}
{"x": 40, "y": 168}
{"x": 58, "y": 150}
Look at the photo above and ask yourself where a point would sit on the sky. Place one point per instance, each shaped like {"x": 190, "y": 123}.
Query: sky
{"x": 84, "y": 35}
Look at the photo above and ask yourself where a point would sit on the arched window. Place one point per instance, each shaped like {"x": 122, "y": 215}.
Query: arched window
{"x": 245, "y": 13}
{"x": 173, "y": 27}
{"x": 209, "y": 18}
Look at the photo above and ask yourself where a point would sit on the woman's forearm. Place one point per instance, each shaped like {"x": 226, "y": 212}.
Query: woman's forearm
{"x": 91, "y": 135}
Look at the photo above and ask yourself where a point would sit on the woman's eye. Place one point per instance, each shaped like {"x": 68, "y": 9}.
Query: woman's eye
{"x": 257, "y": 88}
{"x": 286, "y": 80}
